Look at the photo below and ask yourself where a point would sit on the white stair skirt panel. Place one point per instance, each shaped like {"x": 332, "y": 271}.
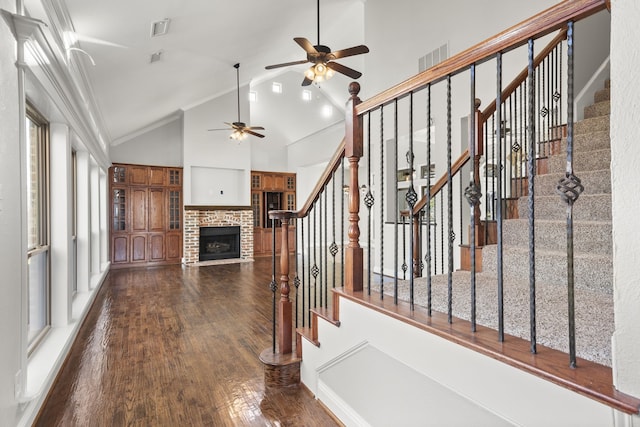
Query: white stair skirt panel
{"x": 372, "y": 358}
{"x": 367, "y": 387}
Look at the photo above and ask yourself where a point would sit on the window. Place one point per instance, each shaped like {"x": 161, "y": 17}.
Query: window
{"x": 38, "y": 219}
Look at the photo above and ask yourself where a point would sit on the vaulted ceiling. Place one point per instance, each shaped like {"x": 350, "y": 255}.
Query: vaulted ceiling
{"x": 204, "y": 40}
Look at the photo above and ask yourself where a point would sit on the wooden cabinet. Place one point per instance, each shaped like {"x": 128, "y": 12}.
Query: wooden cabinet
{"x": 271, "y": 191}
{"x": 145, "y": 215}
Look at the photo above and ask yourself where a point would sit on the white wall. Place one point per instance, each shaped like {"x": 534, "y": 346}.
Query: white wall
{"x": 161, "y": 146}
{"x": 214, "y": 150}
{"x": 625, "y": 174}
{"x": 12, "y": 235}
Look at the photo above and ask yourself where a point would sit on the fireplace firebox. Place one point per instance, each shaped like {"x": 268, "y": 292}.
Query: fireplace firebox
{"x": 219, "y": 243}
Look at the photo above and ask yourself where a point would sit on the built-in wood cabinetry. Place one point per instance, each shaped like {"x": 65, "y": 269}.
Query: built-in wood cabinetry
{"x": 145, "y": 215}
{"x": 271, "y": 191}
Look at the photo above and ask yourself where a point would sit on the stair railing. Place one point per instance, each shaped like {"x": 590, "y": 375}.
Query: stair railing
{"x": 417, "y": 115}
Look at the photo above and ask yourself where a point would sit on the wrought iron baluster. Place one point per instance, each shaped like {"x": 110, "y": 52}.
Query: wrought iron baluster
{"x": 309, "y": 273}
{"x": 334, "y": 246}
{"x": 296, "y": 279}
{"x": 326, "y": 249}
{"x": 441, "y": 232}
{"x": 428, "y": 204}
{"x": 342, "y": 252}
{"x": 304, "y": 283}
{"x": 396, "y": 206}
{"x": 500, "y": 196}
{"x": 411, "y": 198}
{"x": 315, "y": 270}
{"x": 450, "y": 234}
{"x": 368, "y": 201}
{"x": 404, "y": 248}
{"x": 273, "y": 285}
{"x": 569, "y": 188}
{"x": 320, "y": 251}
{"x": 381, "y": 202}
{"x": 531, "y": 163}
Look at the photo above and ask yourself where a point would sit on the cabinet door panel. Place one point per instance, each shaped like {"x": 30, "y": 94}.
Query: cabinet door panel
{"x": 156, "y": 247}
{"x": 156, "y": 176}
{"x": 174, "y": 246}
{"x": 138, "y": 248}
{"x": 138, "y": 175}
{"x": 156, "y": 209}
{"x": 120, "y": 247}
{"x": 138, "y": 209}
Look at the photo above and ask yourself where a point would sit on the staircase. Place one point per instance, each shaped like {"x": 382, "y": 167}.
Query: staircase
{"x": 592, "y": 244}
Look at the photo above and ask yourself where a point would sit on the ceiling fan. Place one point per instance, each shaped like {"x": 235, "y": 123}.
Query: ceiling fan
{"x": 239, "y": 130}
{"x": 322, "y": 59}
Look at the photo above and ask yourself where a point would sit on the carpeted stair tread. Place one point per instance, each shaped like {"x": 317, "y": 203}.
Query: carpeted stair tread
{"x": 593, "y": 124}
{"x": 598, "y": 109}
{"x": 593, "y": 237}
{"x": 591, "y": 271}
{"x": 594, "y": 182}
{"x": 582, "y": 161}
{"x": 602, "y": 95}
{"x": 588, "y": 207}
{"x": 597, "y": 140}
{"x": 594, "y": 310}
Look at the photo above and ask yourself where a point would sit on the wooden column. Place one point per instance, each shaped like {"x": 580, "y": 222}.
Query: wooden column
{"x": 353, "y": 152}
{"x": 284, "y": 319}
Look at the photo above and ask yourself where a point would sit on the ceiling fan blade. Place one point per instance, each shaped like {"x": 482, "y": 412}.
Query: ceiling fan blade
{"x": 306, "y": 82}
{"x": 350, "y": 72}
{"x": 306, "y": 45}
{"x": 250, "y": 132}
{"x": 356, "y": 50}
{"x": 286, "y": 64}
{"x": 254, "y": 128}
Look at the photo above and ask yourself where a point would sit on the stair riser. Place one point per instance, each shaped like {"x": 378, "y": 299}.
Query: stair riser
{"x": 594, "y": 273}
{"x": 602, "y": 95}
{"x": 594, "y": 124}
{"x": 595, "y": 207}
{"x": 592, "y": 238}
{"x": 597, "y": 110}
{"x": 582, "y": 161}
{"x": 594, "y": 182}
{"x": 588, "y": 142}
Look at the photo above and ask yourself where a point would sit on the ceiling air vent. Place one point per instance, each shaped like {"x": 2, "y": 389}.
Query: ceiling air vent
{"x": 160, "y": 28}
{"x": 156, "y": 56}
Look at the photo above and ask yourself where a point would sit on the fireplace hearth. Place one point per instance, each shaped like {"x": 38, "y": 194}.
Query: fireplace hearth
{"x": 219, "y": 243}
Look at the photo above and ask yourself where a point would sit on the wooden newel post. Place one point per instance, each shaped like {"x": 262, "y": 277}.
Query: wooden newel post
{"x": 353, "y": 152}
{"x": 285, "y": 320}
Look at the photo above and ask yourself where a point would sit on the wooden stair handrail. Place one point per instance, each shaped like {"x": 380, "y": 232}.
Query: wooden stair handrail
{"x": 545, "y": 22}
{"x": 520, "y": 78}
{"x": 440, "y": 183}
{"x": 333, "y": 165}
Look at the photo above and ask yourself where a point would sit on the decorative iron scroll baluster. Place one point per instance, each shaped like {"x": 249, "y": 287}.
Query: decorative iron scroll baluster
{"x": 570, "y": 189}
{"x": 449, "y": 209}
{"x": 473, "y": 194}
{"x": 304, "y": 283}
{"x": 296, "y": 279}
{"x": 326, "y": 248}
{"x": 368, "y": 201}
{"x": 428, "y": 204}
{"x": 404, "y": 248}
{"x": 396, "y": 205}
{"x": 273, "y": 285}
{"x": 342, "y": 225}
{"x": 333, "y": 249}
{"x": 411, "y": 198}
{"x": 382, "y": 202}
{"x": 315, "y": 270}
{"x": 531, "y": 163}
{"x": 499, "y": 184}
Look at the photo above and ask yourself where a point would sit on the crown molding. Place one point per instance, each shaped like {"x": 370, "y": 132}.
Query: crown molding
{"x": 43, "y": 60}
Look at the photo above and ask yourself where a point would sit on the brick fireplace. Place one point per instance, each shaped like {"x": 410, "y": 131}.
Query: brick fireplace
{"x": 216, "y": 216}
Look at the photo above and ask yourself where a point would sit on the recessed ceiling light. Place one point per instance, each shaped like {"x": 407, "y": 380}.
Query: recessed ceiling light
{"x": 307, "y": 95}
{"x": 253, "y": 96}
{"x": 276, "y": 87}
{"x": 160, "y": 28}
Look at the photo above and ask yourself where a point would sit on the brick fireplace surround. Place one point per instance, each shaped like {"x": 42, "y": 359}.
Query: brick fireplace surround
{"x": 216, "y": 216}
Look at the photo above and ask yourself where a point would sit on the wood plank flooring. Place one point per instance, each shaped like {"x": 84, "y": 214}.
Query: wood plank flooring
{"x": 177, "y": 346}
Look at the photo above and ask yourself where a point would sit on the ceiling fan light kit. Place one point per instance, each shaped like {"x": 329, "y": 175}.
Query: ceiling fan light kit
{"x": 322, "y": 58}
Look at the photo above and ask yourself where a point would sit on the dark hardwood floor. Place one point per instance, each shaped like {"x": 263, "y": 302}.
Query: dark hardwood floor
{"x": 177, "y": 346}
